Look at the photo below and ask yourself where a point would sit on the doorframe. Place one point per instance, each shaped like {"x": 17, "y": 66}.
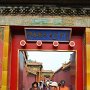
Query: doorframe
{"x": 48, "y": 51}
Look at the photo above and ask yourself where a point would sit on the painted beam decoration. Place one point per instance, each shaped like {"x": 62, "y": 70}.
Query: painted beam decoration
{"x": 48, "y": 34}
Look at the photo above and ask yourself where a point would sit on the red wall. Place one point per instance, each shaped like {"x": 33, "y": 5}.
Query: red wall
{"x": 67, "y": 74}
{"x": 62, "y": 75}
{"x": 69, "y": 79}
{"x": 27, "y": 80}
{"x": 18, "y": 34}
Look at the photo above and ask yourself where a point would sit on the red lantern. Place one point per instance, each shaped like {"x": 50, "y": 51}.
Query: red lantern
{"x": 72, "y": 43}
{"x": 55, "y": 43}
{"x": 22, "y": 42}
{"x": 39, "y": 43}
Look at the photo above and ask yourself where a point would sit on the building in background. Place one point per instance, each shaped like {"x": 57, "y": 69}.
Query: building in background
{"x": 34, "y": 67}
{"x": 47, "y": 75}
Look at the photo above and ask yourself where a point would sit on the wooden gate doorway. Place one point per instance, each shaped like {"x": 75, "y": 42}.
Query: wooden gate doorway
{"x": 18, "y": 34}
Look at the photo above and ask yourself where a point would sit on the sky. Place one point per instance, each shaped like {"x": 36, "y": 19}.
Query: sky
{"x": 50, "y": 60}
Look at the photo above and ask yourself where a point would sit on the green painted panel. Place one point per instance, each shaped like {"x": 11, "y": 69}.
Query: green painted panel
{"x": 1, "y": 33}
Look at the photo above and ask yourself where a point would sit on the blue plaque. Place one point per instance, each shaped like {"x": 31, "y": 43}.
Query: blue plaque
{"x": 48, "y": 34}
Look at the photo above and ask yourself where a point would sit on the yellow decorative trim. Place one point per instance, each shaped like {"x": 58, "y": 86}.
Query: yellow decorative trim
{"x": 4, "y": 77}
{"x": 88, "y": 88}
{"x": 87, "y": 60}
{"x": 4, "y": 87}
{"x": 5, "y": 48}
{"x": 5, "y": 59}
{"x": 87, "y": 30}
{"x": 5, "y": 64}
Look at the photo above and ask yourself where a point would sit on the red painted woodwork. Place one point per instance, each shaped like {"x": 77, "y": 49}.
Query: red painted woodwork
{"x": 18, "y": 35}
